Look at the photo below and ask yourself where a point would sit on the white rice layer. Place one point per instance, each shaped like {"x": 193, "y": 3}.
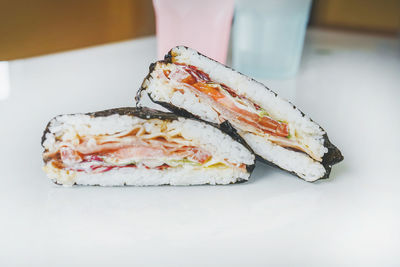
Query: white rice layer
{"x": 297, "y": 162}
{"x": 148, "y": 177}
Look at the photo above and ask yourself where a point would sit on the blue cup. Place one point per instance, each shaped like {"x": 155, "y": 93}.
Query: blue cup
{"x": 268, "y": 37}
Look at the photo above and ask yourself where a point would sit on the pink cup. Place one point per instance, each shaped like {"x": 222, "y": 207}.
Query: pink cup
{"x": 203, "y": 25}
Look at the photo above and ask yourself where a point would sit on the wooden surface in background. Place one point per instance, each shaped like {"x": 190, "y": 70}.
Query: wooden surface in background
{"x": 370, "y": 15}
{"x": 34, "y": 27}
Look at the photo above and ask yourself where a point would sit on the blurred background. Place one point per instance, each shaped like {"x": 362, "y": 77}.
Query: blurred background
{"x": 32, "y": 28}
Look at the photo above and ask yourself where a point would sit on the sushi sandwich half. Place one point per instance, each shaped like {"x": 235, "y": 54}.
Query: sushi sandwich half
{"x": 190, "y": 83}
{"x": 141, "y": 146}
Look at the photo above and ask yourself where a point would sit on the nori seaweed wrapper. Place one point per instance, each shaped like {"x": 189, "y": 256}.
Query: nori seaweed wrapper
{"x": 330, "y": 158}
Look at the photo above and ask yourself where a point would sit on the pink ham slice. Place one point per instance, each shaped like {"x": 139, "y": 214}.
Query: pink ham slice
{"x": 130, "y": 147}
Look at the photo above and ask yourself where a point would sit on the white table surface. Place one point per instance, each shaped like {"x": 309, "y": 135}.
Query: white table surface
{"x": 348, "y": 83}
